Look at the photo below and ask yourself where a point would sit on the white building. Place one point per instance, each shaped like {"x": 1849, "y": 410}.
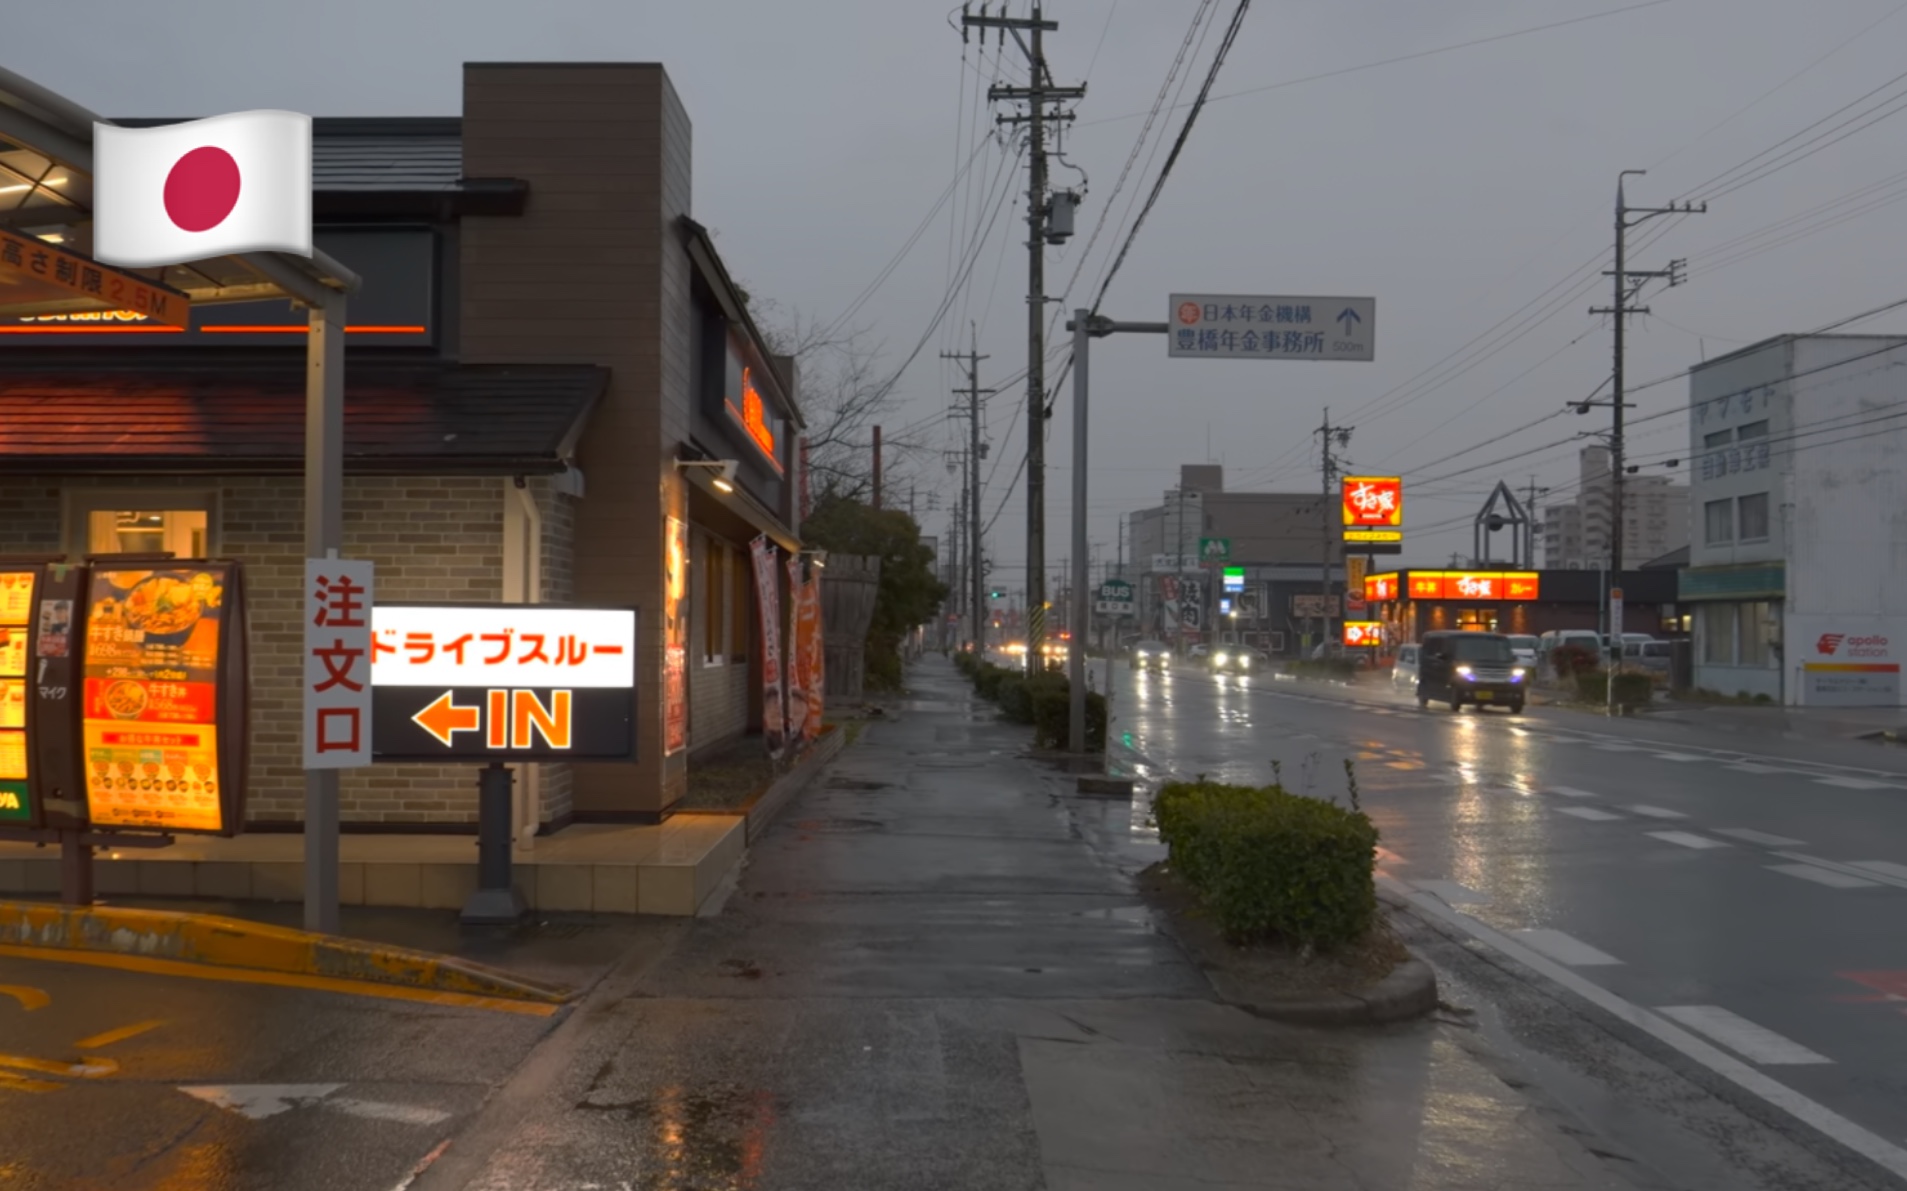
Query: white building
{"x": 1798, "y": 568}
{"x": 1655, "y": 519}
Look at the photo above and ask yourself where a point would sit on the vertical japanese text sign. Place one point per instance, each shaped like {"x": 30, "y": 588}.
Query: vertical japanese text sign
{"x": 338, "y": 596}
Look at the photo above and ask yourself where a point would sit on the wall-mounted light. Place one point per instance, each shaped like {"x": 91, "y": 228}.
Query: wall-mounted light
{"x": 724, "y": 470}
{"x": 818, "y": 559}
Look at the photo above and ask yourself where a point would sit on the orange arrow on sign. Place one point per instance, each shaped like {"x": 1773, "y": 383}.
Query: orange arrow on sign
{"x": 443, "y": 719}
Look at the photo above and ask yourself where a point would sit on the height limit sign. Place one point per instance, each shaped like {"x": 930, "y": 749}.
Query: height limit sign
{"x": 1271, "y": 327}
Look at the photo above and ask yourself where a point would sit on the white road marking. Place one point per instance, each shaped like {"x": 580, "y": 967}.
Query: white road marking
{"x": 374, "y": 1110}
{"x": 1854, "y": 783}
{"x": 1759, "y": 837}
{"x": 1679, "y": 757}
{"x": 1587, "y": 812}
{"x": 1657, "y": 812}
{"x": 1822, "y": 876}
{"x": 1453, "y": 893}
{"x": 1570, "y": 792}
{"x": 1755, "y": 1043}
{"x": 1885, "y": 868}
{"x": 258, "y": 1101}
{"x": 1751, "y": 767}
{"x": 1847, "y": 870}
{"x": 1812, "y": 1113}
{"x": 1687, "y": 839}
{"x": 1565, "y": 949}
{"x": 1612, "y": 747}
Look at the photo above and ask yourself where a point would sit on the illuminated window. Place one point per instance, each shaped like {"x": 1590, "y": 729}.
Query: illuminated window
{"x": 714, "y": 600}
{"x": 738, "y": 607}
{"x": 175, "y": 523}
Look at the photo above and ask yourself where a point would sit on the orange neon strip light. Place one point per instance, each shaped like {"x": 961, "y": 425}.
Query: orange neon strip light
{"x": 53, "y": 329}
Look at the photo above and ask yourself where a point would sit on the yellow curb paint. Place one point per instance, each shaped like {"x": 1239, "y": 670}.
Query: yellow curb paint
{"x": 29, "y": 998}
{"x": 358, "y": 988}
{"x": 21, "y": 1083}
{"x": 119, "y": 1035}
{"x": 86, "y": 1069}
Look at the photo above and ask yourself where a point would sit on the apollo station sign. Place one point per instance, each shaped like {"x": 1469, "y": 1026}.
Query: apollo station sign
{"x": 503, "y": 682}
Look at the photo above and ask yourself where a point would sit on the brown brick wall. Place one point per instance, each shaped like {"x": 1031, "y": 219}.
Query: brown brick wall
{"x": 431, "y": 538}
{"x": 584, "y": 276}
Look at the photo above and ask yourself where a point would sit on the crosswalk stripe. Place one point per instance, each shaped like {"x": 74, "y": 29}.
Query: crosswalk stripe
{"x": 1586, "y": 812}
{"x": 1657, "y": 812}
{"x": 1686, "y": 839}
{"x": 1822, "y": 876}
{"x": 1759, "y": 837}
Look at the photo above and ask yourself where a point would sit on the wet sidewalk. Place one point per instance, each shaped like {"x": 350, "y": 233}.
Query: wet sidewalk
{"x": 936, "y": 974}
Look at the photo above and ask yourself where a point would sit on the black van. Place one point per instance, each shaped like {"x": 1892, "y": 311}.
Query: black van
{"x": 1479, "y": 668}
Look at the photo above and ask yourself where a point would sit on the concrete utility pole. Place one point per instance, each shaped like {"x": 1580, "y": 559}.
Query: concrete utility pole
{"x": 1037, "y": 95}
{"x": 1624, "y": 296}
{"x": 1328, "y": 433}
{"x": 975, "y": 452}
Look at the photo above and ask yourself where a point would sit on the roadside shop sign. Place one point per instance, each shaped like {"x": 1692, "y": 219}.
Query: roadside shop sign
{"x": 338, "y": 601}
{"x": 1373, "y": 508}
{"x": 16, "y": 610}
{"x": 164, "y": 705}
{"x": 1497, "y": 586}
{"x": 1379, "y": 589}
{"x": 1363, "y": 632}
{"x": 502, "y": 682}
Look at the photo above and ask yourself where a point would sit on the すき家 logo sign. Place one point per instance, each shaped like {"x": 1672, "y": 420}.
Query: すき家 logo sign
{"x": 204, "y": 188}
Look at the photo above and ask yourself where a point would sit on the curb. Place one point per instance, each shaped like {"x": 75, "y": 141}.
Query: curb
{"x": 783, "y": 791}
{"x": 204, "y": 939}
{"x": 1409, "y": 991}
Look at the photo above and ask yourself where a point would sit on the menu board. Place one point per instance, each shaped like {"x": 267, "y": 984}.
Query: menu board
{"x": 16, "y": 609}
{"x": 151, "y": 711}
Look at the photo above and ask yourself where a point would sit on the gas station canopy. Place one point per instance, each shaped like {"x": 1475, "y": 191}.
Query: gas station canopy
{"x": 46, "y": 230}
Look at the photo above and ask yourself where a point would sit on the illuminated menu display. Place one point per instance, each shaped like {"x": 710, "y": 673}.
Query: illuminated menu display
{"x": 16, "y": 609}
{"x": 150, "y": 721}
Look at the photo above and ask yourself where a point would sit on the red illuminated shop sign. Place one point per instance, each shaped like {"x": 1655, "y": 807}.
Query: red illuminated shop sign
{"x": 1373, "y": 501}
{"x": 1380, "y": 589}
{"x": 1518, "y": 586}
{"x": 1363, "y": 632}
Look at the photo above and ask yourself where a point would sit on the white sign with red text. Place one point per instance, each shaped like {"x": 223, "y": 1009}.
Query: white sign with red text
{"x": 337, "y": 611}
{"x": 516, "y": 645}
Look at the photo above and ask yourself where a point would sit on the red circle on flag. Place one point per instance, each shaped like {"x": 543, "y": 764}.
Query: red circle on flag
{"x": 202, "y": 189}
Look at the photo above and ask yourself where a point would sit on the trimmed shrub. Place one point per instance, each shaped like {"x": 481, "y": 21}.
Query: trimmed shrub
{"x": 1053, "y": 717}
{"x": 1266, "y": 862}
{"x": 1632, "y": 690}
{"x": 1340, "y": 669}
{"x": 1570, "y": 660}
{"x": 1015, "y": 697}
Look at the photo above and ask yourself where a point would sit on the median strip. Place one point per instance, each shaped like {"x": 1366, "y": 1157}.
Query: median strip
{"x": 209, "y": 947}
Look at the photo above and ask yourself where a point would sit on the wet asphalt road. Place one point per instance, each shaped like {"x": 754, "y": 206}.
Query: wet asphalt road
{"x": 1752, "y": 889}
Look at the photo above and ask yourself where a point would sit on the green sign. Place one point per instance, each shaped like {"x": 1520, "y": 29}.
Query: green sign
{"x": 1214, "y": 549}
{"x": 13, "y": 803}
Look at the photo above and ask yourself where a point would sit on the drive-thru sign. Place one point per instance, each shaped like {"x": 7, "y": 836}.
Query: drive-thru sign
{"x": 503, "y": 682}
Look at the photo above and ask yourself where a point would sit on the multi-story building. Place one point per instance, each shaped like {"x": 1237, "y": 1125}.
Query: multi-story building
{"x": 1278, "y": 539}
{"x": 1655, "y": 518}
{"x": 1797, "y": 574}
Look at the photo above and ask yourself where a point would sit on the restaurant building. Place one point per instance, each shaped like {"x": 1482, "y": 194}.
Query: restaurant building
{"x": 543, "y": 337}
{"x": 1414, "y": 602}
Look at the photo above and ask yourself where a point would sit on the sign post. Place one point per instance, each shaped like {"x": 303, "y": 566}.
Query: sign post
{"x": 1615, "y": 644}
{"x": 500, "y": 684}
{"x": 1213, "y": 326}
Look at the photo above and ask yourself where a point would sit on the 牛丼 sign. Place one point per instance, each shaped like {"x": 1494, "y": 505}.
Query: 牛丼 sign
{"x": 338, "y": 596}
{"x": 502, "y": 682}
{"x": 1262, "y": 327}
{"x": 1516, "y": 586}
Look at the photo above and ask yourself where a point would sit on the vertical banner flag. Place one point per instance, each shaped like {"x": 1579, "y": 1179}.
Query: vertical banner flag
{"x": 675, "y": 642}
{"x": 797, "y": 659}
{"x": 808, "y": 633}
{"x": 338, "y": 599}
{"x": 203, "y": 188}
{"x": 772, "y": 715}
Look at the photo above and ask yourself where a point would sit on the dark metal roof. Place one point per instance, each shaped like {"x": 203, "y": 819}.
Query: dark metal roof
{"x": 396, "y": 154}
{"x": 247, "y": 417}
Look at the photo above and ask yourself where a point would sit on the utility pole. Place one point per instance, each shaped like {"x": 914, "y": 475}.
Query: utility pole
{"x": 1037, "y": 96}
{"x": 971, "y": 490}
{"x": 1624, "y": 305}
{"x": 1327, "y": 434}
{"x": 877, "y": 467}
{"x": 1529, "y": 534}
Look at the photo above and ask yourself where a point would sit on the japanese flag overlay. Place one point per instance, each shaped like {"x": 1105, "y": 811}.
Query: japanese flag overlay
{"x": 205, "y": 188}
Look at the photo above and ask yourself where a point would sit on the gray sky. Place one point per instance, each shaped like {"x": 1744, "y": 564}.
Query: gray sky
{"x": 1456, "y": 188}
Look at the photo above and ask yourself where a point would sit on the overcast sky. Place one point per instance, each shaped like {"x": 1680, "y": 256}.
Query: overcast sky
{"x": 1456, "y": 188}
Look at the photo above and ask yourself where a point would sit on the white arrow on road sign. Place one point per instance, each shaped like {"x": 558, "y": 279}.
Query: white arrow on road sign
{"x": 259, "y": 1101}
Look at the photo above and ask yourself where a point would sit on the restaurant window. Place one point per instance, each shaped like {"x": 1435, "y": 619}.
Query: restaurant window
{"x": 1753, "y": 517}
{"x": 176, "y": 523}
{"x": 714, "y": 601}
{"x": 1720, "y": 520}
{"x": 1717, "y": 625}
{"x": 738, "y": 607}
{"x": 1753, "y": 624}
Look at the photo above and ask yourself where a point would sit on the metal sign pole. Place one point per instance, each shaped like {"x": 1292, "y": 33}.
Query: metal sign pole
{"x": 1076, "y": 656}
{"x": 324, "y": 538}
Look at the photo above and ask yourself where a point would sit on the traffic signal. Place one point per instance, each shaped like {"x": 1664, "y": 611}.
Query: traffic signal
{"x": 996, "y": 594}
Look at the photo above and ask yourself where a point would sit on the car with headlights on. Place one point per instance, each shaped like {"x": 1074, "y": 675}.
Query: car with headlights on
{"x": 1476, "y": 668}
{"x": 1236, "y": 659}
{"x": 1152, "y": 655}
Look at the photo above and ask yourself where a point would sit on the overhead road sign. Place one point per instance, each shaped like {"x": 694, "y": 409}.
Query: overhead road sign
{"x": 1271, "y": 327}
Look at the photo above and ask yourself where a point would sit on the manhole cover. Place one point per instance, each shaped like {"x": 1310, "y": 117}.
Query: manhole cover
{"x": 855, "y": 783}
{"x": 839, "y": 825}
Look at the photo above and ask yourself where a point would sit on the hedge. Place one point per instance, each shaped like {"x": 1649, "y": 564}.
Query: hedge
{"x": 1342, "y": 669}
{"x": 1053, "y": 717}
{"x": 1267, "y": 862}
{"x": 1632, "y": 690}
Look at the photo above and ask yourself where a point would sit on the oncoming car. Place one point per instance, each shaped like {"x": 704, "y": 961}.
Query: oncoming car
{"x": 1479, "y": 668}
{"x": 1152, "y": 655}
{"x": 1236, "y": 659}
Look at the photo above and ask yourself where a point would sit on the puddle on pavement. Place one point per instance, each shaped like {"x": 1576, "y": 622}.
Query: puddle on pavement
{"x": 712, "y": 1139}
{"x": 839, "y": 825}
